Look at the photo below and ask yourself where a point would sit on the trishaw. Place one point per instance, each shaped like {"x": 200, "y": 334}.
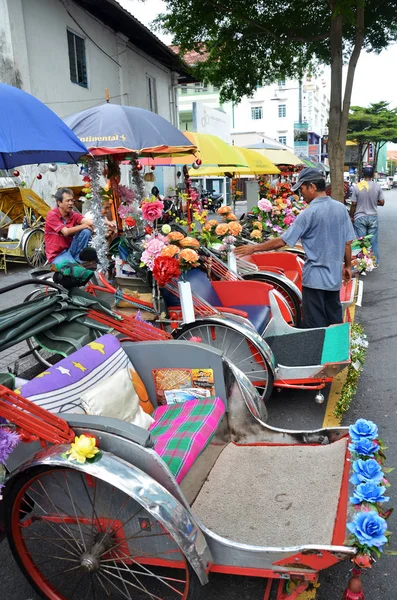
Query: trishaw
{"x": 209, "y": 488}
{"x": 22, "y": 216}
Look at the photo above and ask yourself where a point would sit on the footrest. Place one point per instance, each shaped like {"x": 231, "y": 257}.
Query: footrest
{"x": 336, "y": 347}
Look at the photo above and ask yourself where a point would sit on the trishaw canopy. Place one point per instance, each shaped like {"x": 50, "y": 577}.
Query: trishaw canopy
{"x": 13, "y": 202}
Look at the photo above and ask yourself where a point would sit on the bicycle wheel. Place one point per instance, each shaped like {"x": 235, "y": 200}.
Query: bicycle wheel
{"x": 75, "y": 536}
{"x": 282, "y": 286}
{"x": 244, "y": 353}
{"x": 34, "y": 249}
{"x": 42, "y": 355}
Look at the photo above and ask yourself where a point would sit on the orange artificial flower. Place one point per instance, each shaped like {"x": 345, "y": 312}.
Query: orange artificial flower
{"x": 235, "y": 228}
{"x": 170, "y": 250}
{"x": 257, "y": 225}
{"x": 189, "y": 242}
{"x": 222, "y": 229}
{"x": 231, "y": 217}
{"x": 256, "y": 234}
{"x": 189, "y": 255}
{"x": 224, "y": 210}
{"x": 175, "y": 236}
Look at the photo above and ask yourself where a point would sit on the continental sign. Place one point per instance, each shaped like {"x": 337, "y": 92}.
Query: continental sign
{"x": 103, "y": 138}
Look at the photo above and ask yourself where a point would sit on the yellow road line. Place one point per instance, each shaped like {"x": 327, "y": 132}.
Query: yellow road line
{"x": 329, "y": 418}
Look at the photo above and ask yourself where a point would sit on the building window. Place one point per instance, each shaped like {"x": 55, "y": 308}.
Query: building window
{"x": 282, "y": 110}
{"x": 77, "y": 59}
{"x": 197, "y": 88}
{"x": 151, "y": 93}
{"x": 282, "y": 139}
{"x": 256, "y": 113}
{"x": 281, "y": 83}
{"x": 184, "y": 89}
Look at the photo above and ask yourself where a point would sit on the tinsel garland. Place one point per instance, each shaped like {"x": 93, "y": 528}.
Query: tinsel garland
{"x": 138, "y": 184}
{"x": 359, "y": 346}
{"x": 99, "y": 238}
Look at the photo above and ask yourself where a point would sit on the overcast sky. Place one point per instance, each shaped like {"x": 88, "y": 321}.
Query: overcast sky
{"x": 374, "y": 80}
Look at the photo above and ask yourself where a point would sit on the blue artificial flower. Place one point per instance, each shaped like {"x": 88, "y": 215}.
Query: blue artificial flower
{"x": 364, "y": 446}
{"x": 369, "y": 492}
{"x": 363, "y": 429}
{"x": 369, "y": 529}
{"x": 366, "y": 470}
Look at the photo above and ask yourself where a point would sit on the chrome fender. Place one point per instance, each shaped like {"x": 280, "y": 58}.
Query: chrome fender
{"x": 154, "y": 498}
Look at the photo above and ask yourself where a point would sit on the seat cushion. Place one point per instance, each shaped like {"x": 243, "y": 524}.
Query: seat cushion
{"x": 294, "y": 276}
{"x": 182, "y": 431}
{"x": 259, "y": 315}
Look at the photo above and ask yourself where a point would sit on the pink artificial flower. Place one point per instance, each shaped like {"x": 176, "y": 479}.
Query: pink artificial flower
{"x": 155, "y": 246}
{"x": 288, "y": 202}
{"x": 126, "y": 195}
{"x": 148, "y": 259}
{"x": 152, "y": 210}
{"x": 195, "y": 338}
{"x": 123, "y": 211}
{"x": 288, "y": 220}
{"x": 265, "y": 205}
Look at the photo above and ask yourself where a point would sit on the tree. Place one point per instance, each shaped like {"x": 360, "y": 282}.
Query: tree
{"x": 374, "y": 125}
{"x": 244, "y": 43}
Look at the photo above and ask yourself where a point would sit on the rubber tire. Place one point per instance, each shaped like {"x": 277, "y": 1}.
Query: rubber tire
{"x": 31, "y": 341}
{"x": 195, "y": 586}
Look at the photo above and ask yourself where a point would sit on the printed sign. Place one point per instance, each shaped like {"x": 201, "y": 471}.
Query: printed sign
{"x": 301, "y": 139}
{"x": 179, "y": 385}
{"x": 211, "y": 120}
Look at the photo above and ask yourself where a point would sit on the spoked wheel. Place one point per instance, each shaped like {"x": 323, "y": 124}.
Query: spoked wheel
{"x": 34, "y": 249}
{"x": 237, "y": 348}
{"x": 42, "y": 355}
{"x": 75, "y": 536}
{"x": 285, "y": 290}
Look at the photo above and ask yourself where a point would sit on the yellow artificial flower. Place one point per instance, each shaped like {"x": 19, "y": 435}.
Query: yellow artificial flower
{"x": 256, "y": 234}
{"x": 83, "y": 447}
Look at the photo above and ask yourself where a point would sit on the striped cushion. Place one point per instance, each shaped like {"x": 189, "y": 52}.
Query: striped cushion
{"x": 182, "y": 431}
{"x": 59, "y": 388}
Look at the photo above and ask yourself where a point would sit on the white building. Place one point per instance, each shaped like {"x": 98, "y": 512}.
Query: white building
{"x": 68, "y": 52}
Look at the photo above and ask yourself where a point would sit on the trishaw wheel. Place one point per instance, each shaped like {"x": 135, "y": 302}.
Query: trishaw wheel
{"x": 237, "y": 348}
{"x": 75, "y": 536}
{"x": 34, "y": 248}
{"x": 43, "y": 356}
{"x": 287, "y": 293}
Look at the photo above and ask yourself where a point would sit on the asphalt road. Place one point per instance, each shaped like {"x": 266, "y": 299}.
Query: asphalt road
{"x": 375, "y": 399}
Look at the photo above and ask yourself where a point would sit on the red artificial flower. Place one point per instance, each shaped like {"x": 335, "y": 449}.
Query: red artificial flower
{"x": 165, "y": 268}
{"x": 148, "y": 229}
{"x": 86, "y": 178}
{"x": 130, "y": 222}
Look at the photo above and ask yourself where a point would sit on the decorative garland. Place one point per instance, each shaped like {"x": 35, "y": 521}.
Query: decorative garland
{"x": 8, "y": 441}
{"x": 99, "y": 239}
{"x": 368, "y": 529}
{"x": 359, "y": 345}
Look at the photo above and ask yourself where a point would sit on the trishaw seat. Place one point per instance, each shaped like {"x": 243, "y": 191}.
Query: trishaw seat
{"x": 259, "y": 315}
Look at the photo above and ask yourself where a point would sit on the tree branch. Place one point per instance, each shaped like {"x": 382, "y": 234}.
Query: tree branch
{"x": 359, "y": 39}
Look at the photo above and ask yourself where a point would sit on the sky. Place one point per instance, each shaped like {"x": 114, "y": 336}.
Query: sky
{"x": 374, "y": 79}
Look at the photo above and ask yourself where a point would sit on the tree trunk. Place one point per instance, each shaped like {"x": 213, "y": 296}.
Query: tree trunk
{"x": 339, "y": 116}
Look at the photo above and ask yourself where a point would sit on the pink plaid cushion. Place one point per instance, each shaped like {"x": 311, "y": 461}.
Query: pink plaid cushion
{"x": 182, "y": 431}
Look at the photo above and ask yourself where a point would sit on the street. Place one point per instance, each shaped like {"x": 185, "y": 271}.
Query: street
{"x": 375, "y": 400}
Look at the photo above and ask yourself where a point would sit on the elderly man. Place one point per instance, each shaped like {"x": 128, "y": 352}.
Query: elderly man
{"x": 326, "y": 233}
{"x": 66, "y": 232}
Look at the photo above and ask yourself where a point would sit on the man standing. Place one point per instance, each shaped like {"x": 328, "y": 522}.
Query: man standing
{"x": 326, "y": 233}
{"x": 367, "y": 196}
{"x": 66, "y": 232}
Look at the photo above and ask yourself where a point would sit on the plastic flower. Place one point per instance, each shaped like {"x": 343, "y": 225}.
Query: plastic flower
{"x": 189, "y": 242}
{"x": 83, "y": 447}
{"x": 165, "y": 268}
{"x": 369, "y": 492}
{"x": 288, "y": 220}
{"x": 363, "y": 429}
{"x": 231, "y": 217}
{"x": 175, "y": 236}
{"x": 155, "y": 245}
{"x": 256, "y": 234}
{"x": 235, "y": 228}
{"x": 363, "y": 446}
{"x": 166, "y": 229}
{"x": 170, "y": 250}
{"x": 123, "y": 211}
{"x": 127, "y": 196}
{"x": 257, "y": 225}
{"x": 152, "y": 210}
{"x": 366, "y": 471}
{"x": 222, "y": 228}
{"x": 130, "y": 222}
{"x": 369, "y": 529}
{"x": 8, "y": 441}
{"x": 265, "y": 205}
{"x": 189, "y": 255}
{"x": 224, "y": 210}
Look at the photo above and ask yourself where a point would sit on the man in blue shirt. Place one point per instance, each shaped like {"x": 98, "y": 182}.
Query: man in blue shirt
{"x": 326, "y": 233}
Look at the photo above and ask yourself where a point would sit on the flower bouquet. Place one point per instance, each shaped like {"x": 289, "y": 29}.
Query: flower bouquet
{"x": 363, "y": 259}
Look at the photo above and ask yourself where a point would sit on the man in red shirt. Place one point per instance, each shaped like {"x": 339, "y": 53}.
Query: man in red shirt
{"x": 66, "y": 232}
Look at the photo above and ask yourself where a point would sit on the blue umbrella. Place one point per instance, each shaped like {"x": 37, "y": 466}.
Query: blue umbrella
{"x": 117, "y": 129}
{"x": 30, "y": 133}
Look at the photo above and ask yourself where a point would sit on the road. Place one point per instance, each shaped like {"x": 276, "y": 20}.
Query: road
{"x": 375, "y": 400}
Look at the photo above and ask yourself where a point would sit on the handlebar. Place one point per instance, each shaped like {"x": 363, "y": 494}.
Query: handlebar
{"x": 19, "y": 284}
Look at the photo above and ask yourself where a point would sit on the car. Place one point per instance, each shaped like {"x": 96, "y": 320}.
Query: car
{"x": 384, "y": 183}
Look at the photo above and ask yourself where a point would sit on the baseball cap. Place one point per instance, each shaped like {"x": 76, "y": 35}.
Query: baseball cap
{"x": 368, "y": 171}
{"x": 307, "y": 175}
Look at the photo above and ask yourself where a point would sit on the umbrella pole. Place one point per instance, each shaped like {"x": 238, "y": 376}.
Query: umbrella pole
{"x": 189, "y": 200}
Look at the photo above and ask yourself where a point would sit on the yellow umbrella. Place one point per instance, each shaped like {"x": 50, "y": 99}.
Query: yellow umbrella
{"x": 215, "y": 152}
{"x": 280, "y": 156}
{"x": 257, "y": 165}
